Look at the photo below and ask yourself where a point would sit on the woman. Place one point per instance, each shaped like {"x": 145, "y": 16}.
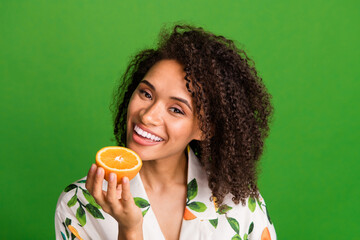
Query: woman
{"x": 197, "y": 114}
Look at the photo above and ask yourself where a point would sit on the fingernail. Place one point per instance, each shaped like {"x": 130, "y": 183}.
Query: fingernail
{"x": 112, "y": 177}
{"x": 92, "y": 167}
{"x": 125, "y": 179}
{"x": 99, "y": 171}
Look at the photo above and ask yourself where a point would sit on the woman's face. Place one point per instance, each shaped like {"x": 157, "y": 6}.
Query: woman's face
{"x": 161, "y": 109}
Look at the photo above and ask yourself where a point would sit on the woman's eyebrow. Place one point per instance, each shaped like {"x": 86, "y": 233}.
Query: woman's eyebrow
{"x": 183, "y": 101}
{"x": 175, "y": 98}
{"x": 147, "y": 83}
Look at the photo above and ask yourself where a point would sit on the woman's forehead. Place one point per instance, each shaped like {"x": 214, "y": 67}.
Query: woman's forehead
{"x": 167, "y": 76}
{"x": 167, "y": 68}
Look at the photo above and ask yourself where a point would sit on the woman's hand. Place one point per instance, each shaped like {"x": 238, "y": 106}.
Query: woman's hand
{"x": 117, "y": 201}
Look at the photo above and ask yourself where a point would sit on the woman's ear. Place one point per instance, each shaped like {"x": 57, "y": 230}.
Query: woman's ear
{"x": 200, "y": 135}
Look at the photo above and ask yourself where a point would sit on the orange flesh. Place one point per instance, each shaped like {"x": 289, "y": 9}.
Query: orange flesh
{"x": 122, "y": 161}
{"x": 128, "y": 160}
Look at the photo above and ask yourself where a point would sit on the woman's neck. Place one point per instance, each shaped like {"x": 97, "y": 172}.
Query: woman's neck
{"x": 157, "y": 175}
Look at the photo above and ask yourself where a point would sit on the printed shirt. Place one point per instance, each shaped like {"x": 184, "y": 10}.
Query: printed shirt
{"x": 78, "y": 216}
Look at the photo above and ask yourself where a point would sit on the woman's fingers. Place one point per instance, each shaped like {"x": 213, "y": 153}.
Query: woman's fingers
{"x": 117, "y": 200}
{"x": 126, "y": 197}
{"x": 118, "y": 191}
{"x": 97, "y": 187}
{"x": 90, "y": 177}
{"x": 111, "y": 191}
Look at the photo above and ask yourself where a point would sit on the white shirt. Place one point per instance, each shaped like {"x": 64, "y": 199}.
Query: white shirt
{"x": 78, "y": 215}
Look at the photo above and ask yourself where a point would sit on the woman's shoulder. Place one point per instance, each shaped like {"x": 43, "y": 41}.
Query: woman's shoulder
{"x": 78, "y": 214}
{"x": 74, "y": 194}
{"x": 251, "y": 220}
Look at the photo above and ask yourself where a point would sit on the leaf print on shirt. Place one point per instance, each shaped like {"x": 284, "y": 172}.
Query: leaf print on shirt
{"x": 80, "y": 215}
{"x": 66, "y": 231}
{"x": 251, "y": 227}
{"x": 91, "y": 207}
{"x": 259, "y": 203}
{"x": 214, "y": 222}
{"x": 142, "y": 203}
{"x": 93, "y": 211}
{"x": 235, "y": 226}
{"x": 192, "y": 190}
{"x": 251, "y": 204}
{"x": 266, "y": 211}
{"x": 223, "y": 209}
{"x": 89, "y": 198}
{"x": 70, "y": 187}
{"x": 236, "y": 237}
{"x": 268, "y": 216}
{"x": 197, "y": 206}
{"x": 63, "y": 236}
{"x": 72, "y": 201}
{"x": 73, "y": 231}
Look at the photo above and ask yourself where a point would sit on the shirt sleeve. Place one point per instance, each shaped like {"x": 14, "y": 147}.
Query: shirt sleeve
{"x": 67, "y": 225}
{"x": 78, "y": 216}
{"x": 263, "y": 228}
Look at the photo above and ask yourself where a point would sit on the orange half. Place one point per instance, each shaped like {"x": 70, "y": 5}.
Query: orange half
{"x": 122, "y": 161}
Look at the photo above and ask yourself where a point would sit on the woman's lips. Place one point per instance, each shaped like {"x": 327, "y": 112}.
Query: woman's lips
{"x": 143, "y": 128}
{"x": 143, "y": 141}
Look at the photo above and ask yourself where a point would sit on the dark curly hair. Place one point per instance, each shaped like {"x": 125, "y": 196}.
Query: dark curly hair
{"x": 233, "y": 101}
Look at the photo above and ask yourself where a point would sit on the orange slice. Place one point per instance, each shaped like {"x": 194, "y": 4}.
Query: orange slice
{"x": 188, "y": 215}
{"x": 122, "y": 161}
{"x": 265, "y": 234}
{"x": 74, "y": 231}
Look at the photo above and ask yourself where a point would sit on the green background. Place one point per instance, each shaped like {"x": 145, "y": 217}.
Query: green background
{"x": 60, "y": 60}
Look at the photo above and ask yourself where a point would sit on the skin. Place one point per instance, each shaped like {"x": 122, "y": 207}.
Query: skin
{"x": 164, "y": 170}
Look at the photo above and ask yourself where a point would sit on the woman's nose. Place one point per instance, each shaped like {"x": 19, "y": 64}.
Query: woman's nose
{"x": 151, "y": 115}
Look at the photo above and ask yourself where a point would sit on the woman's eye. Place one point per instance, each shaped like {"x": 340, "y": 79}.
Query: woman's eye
{"x": 175, "y": 110}
{"x": 145, "y": 93}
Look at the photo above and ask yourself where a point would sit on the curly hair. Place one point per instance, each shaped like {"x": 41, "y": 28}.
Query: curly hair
{"x": 233, "y": 101}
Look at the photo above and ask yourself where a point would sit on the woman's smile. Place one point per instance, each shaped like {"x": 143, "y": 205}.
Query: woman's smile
{"x": 145, "y": 137}
{"x": 147, "y": 133}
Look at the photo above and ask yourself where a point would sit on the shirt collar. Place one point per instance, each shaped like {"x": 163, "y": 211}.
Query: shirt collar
{"x": 198, "y": 203}
{"x": 198, "y": 192}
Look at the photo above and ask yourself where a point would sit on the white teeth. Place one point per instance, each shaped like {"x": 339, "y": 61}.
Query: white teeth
{"x": 145, "y": 134}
